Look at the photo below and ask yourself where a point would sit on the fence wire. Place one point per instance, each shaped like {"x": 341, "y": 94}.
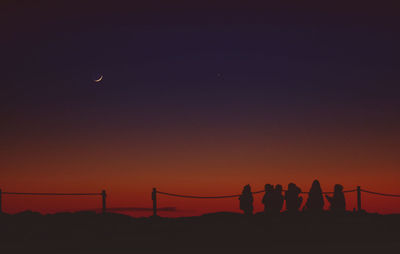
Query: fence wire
{"x": 200, "y": 197}
{"x": 51, "y": 194}
{"x": 381, "y": 194}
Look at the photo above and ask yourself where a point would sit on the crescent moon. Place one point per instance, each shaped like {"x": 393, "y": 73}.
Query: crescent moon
{"x": 99, "y": 79}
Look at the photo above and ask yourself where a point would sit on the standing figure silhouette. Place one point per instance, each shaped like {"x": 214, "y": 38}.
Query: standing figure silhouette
{"x": 277, "y": 199}
{"x": 293, "y": 201}
{"x": 315, "y": 202}
{"x": 338, "y": 202}
{"x": 268, "y": 188}
{"x": 246, "y": 200}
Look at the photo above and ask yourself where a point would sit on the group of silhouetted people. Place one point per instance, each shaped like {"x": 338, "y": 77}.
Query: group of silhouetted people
{"x": 274, "y": 199}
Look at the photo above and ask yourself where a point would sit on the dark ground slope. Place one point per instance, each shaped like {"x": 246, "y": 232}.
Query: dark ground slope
{"x": 213, "y": 233}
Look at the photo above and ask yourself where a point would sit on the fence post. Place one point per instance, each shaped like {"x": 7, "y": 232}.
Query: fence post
{"x": 154, "y": 198}
{"x": 1, "y": 209}
{"x": 104, "y": 195}
{"x": 358, "y": 198}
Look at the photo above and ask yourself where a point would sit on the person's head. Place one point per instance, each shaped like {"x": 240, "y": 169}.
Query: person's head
{"x": 268, "y": 187}
{"x": 292, "y": 187}
{"x": 316, "y": 187}
{"x": 278, "y": 188}
{"x": 338, "y": 188}
{"x": 247, "y": 188}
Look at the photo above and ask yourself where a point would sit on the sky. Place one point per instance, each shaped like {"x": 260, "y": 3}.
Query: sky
{"x": 197, "y": 98}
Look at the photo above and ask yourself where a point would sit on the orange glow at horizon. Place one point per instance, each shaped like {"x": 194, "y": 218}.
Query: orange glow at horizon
{"x": 206, "y": 163}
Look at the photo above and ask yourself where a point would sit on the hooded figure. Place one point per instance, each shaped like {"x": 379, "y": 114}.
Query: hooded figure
{"x": 246, "y": 200}
{"x": 315, "y": 202}
{"x": 267, "y": 199}
{"x": 338, "y": 202}
{"x": 277, "y": 199}
{"x": 293, "y": 201}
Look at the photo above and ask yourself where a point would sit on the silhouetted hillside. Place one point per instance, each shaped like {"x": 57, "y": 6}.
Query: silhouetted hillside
{"x": 88, "y": 232}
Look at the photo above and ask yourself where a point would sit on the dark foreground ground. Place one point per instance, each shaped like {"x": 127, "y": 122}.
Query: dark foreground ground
{"x": 213, "y": 233}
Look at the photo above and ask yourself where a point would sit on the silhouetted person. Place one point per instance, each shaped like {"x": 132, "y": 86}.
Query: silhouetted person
{"x": 338, "y": 202}
{"x": 267, "y": 199}
{"x": 277, "y": 199}
{"x": 293, "y": 200}
{"x": 246, "y": 200}
{"x": 315, "y": 201}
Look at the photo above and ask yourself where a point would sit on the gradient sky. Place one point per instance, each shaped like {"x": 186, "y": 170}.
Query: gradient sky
{"x": 197, "y": 99}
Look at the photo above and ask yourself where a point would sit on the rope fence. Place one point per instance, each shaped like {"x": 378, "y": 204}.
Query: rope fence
{"x": 358, "y": 190}
{"x": 155, "y": 192}
{"x": 381, "y": 194}
{"x": 102, "y": 194}
{"x": 52, "y": 194}
{"x": 203, "y": 197}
